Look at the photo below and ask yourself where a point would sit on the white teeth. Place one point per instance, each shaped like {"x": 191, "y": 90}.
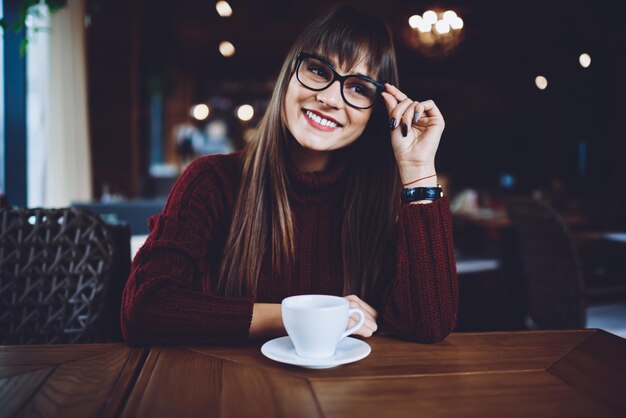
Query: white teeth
{"x": 320, "y": 120}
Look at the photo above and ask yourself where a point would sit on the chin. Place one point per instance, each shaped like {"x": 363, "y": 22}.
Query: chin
{"x": 318, "y": 144}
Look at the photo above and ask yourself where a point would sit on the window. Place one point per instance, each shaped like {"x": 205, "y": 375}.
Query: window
{"x": 2, "y": 165}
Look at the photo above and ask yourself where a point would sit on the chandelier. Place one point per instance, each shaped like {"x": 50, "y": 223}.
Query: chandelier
{"x": 435, "y": 33}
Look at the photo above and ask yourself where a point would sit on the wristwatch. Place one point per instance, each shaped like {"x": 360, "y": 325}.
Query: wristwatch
{"x": 421, "y": 193}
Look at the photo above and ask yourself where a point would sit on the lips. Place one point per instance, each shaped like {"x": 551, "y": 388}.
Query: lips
{"x": 320, "y": 121}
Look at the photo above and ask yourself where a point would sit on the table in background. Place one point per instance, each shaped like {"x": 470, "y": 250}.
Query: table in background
{"x": 515, "y": 374}
{"x": 604, "y": 263}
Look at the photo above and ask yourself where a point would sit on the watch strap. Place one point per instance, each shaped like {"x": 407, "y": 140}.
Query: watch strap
{"x": 421, "y": 193}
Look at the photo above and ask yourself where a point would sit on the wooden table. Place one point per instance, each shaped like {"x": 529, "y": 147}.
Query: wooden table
{"x": 506, "y": 374}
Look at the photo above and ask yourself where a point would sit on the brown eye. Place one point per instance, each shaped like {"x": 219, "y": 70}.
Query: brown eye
{"x": 318, "y": 70}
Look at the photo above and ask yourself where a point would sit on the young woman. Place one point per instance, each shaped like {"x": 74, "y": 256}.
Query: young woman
{"x": 315, "y": 204}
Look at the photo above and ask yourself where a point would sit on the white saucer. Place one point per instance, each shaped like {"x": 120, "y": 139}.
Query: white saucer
{"x": 349, "y": 350}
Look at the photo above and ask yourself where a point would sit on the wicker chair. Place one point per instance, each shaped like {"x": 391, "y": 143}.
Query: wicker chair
{"x": 54, "y": 271}
{"x": 551, "y": 264}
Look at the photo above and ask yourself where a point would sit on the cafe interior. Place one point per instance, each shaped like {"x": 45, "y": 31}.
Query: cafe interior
{"x": 105, "y": 103}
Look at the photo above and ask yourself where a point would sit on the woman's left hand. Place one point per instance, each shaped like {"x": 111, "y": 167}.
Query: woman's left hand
{"x": 369, "y": 326}
{"x": 414, "y": 142}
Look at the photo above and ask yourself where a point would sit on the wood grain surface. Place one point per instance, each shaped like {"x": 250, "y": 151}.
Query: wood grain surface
{"x": 65, "y": 380}
{"x": 579, "y": 373}
{"x": 491, "y": 394}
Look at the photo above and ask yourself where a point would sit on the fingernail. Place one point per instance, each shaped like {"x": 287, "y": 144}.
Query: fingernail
{"x": 392, "y": 124}
{"x": 404, "y": 130}
{"x": 416, "y": 117}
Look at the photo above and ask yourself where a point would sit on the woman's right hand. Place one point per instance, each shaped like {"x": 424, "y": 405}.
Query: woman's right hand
{"x": 267, "y": 321}
{"x": 369, "y": 326}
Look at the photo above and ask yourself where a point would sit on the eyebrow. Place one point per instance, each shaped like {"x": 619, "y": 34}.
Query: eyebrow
{"x": 334, "y": 65}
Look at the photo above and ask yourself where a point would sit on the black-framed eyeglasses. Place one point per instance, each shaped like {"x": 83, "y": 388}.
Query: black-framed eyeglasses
{"x": 357, "y": 90}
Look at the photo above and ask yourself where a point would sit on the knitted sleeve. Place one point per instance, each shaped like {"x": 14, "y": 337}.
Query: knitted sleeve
{"x": 167, "y": 298}
{"x": 421, "y": 301}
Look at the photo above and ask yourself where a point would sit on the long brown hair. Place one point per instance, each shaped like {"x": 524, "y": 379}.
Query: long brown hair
{"x": 262, "y": 220}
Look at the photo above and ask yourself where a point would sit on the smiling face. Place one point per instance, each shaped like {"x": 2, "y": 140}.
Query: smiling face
{"x": 321, "y": 121}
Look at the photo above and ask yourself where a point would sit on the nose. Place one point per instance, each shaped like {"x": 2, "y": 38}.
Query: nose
{"x": 331, "y": 95}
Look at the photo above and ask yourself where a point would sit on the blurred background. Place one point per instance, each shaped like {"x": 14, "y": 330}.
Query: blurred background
{"x": 104, "y": 103}
{"x": 144, "y": 65}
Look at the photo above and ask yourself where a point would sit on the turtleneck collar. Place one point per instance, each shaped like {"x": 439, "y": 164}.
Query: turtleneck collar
{"x": 317, "y": 185}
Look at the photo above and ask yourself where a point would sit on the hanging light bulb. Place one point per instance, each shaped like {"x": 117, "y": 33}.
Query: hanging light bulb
{"x": 435, "y": 33}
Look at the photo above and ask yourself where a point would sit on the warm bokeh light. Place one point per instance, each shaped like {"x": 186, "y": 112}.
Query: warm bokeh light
{"x": 456, "y": 23}
{"x": 436, "y": 32}
{"x": 415, "y": 21}
{"x": 223, "y": 9}
{"x": 245, "y": 112}
{"x": 541, "y": 82}
{"x": 227, "y": 49}
{"x": 584, "y": 60}
{"x": 430, "y": 17}
{"x": 442, "y": 26}
{"x": 449, "y": 16}
{"x": 200, "y": 111}
{"x": 425, "y": 27}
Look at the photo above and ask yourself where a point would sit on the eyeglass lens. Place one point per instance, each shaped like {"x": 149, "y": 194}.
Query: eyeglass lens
{"x": 317, "y": 75}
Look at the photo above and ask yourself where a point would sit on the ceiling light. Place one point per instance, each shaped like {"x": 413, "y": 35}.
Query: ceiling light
{"x": 584, "y": 60}
{"x": 442, "y": 26}
{"x": 227, "y": 49}
{"x": 223, "y": 9}
{"x": 541, "y": 82}
{"x": 430, "y": 16}
{"x": 449, "y": 16}
{"x": 245, "y": 112}
{"x": 415, "y": 21}
{"x": 200, "y": 111}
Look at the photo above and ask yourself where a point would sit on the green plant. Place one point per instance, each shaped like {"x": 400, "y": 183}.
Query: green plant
{"x": 24, "y": 10}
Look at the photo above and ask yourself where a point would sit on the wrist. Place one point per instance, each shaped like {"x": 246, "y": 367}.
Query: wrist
{"x": 266, "y": 320}
{"x": 418, "y": 176}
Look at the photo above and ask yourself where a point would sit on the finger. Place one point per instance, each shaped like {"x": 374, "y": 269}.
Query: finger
{"x": 408, "y": 117}
{"x": 364, "y": 331}
{"x": 399, "y": 114}
{"x": 390, "y": 101}
{"x": 367, "y": 309}
{"x": 395, "y": 92}
{"x": 417, "y": 113}
{"x": 429, "y": 108}
{"x": 356, "y": 302}
{"x": 369, "y": 322}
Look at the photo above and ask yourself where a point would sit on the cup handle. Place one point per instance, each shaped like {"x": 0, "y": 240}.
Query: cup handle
{"x": 357, "y": 325}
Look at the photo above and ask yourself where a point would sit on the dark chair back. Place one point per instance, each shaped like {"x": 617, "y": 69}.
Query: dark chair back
{"x": 55, "y": 267}
{"x": 551, "y": 265}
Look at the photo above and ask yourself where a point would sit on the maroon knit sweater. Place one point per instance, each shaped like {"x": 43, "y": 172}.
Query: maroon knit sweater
{"x": 169, "y": 297}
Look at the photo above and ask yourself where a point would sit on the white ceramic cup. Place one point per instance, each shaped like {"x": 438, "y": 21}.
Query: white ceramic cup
{"x": 316, "y": 323}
